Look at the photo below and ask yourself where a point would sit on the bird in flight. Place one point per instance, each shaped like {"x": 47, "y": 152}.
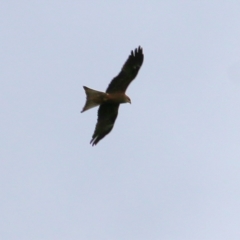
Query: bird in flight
{"x": 110, "y": 100}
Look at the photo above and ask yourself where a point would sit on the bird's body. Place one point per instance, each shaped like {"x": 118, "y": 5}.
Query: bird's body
{"x": 110, "y": 100}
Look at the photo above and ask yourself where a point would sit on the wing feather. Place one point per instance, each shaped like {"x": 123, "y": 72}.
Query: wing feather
{"x": 107, "y": 114}
{"x": 128, "y": 72}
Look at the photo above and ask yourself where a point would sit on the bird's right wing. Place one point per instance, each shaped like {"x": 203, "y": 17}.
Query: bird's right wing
{"x": 128, "y": 72}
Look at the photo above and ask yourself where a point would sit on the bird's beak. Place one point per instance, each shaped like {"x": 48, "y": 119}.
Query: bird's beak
{"x": 130, "y": 101}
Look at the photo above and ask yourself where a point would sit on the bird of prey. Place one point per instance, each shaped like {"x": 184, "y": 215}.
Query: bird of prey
{"x": 110, "y": 100}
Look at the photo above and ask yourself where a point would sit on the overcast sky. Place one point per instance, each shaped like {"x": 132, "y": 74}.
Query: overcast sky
{"x": 170, "y": 169}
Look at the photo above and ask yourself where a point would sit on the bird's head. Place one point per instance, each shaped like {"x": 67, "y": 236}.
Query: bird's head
{"x": 127, "y": 99}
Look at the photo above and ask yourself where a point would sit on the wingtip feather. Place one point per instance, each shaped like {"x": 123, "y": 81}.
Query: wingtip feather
{"x": 93, "y": 142}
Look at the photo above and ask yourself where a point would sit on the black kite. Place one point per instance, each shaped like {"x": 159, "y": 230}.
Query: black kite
{"x": 115, "y": 95}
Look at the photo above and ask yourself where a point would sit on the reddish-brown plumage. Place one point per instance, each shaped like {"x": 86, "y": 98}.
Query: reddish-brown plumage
{"x": 114, "y": 96}
{"x": 117, "y": 98}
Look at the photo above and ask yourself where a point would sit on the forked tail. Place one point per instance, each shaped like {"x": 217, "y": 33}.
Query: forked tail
{"x": 93, "y": 98}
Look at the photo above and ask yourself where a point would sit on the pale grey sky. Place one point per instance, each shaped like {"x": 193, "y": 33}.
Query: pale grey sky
{"x": 170, "y": 169}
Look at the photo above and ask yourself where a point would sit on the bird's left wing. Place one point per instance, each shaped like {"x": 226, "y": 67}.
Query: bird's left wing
{"x": 107, "y": 114}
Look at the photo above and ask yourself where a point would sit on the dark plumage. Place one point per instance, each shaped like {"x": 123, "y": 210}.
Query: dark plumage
{"x": 115, "y": 95}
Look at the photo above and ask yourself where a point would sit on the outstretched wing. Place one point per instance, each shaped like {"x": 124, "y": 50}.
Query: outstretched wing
{"x": 128, "y": 73}
{"x": 107, "y": 114}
